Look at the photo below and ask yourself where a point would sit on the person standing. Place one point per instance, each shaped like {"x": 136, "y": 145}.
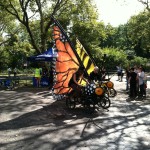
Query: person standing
{"x": 136, "y": 70}
{"x": 37, "y": 75}
{"x": 44, "y": 72}
{"x": 127, "y": 78}
{"x": 132, "y": 81}
{"x": 119, "y": 72}
{"x": 15, "y": 72}
{"x": 51, "y": 77}
{"x": 145, "y": 81}
{"x": 141, "y": 81}
{"x": 9, "y": 72}
{"x": 103, "y": 73}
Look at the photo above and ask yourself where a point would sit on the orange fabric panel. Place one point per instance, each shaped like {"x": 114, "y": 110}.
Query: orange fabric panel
{"x": 66, "y": 63}
{"x": 60, "y": 46}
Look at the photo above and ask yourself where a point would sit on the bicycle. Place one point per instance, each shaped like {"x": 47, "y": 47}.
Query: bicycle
{"x": 109, "y": 87}
{"x": 91, "y": 96}
{"x": 7, "y": 83}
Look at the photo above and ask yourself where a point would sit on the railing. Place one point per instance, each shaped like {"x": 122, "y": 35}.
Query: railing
{"x": 15, "y": 80}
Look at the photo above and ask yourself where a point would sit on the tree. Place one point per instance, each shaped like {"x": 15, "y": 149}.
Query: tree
{"x": 114, "y": 57}
{"x": 24, "y": 11}
{"x": 139, "y": 33}
{"x": 35, "y": 16}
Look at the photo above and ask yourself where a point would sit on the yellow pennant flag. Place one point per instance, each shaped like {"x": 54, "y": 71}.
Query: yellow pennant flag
{"x": 85, "y": 58}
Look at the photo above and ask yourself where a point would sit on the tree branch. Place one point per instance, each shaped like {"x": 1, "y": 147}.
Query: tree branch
{"x": 42, "y": 34}
{"x": 146, "y": 3}
{"x": 25, "y": 22}
{"x": 56, "y": 8}
{"x": 4, "y": 42}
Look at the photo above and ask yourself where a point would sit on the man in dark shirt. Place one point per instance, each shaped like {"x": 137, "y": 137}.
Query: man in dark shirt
{"x": 132, "y": 81}
{"x": 94, "y": 75}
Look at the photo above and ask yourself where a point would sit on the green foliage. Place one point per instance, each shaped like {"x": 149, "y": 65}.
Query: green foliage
{"x": 114, "y": 57}
{"x": 16, "y": 48}
{"x": 25, "y": 31}
{"x": 26, "y": 25}
{"x": 97, "y": 55}
{"x": 139, "y": 33}
{"x": 138, "y": 61}
{"x": 108, "y": 40}
{"x": 133, "y": 36}
{"x": 89, "y": 33}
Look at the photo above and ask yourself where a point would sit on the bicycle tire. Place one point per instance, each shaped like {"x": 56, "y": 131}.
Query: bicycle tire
{"x": 112, "y": 92}
{"x": 104, "y": 102}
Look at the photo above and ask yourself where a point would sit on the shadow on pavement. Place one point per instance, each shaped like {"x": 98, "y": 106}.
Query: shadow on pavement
{"x": 54, "y": 113}
{"x": 51, "y": 126}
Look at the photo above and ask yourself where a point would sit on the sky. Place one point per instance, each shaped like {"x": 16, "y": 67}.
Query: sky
{"x": 117, "y": 12}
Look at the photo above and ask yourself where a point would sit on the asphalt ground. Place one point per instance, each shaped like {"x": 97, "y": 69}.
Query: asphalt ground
{"x": 30, "y": 119}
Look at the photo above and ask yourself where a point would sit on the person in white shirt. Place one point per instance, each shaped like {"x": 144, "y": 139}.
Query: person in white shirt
{"x": 9, "y": 71}
{"x": 135, "y": 69}
{"x": 141, "y": 76}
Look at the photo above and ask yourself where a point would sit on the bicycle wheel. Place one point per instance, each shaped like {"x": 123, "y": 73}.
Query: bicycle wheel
{"x": 70, "y": 103}
{"x": 104, "y": 102}
{"x": 112, "y": 92}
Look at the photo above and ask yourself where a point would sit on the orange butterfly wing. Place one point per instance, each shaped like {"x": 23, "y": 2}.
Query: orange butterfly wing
{"x": 66, "y": 62}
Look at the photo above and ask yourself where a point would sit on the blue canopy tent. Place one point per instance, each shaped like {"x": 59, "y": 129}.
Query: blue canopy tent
{"x": 46, "y": 56}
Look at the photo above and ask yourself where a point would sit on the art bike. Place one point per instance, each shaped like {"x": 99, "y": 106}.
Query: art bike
{"x": 92, "y": 96}
{"x": 69, "y": 59}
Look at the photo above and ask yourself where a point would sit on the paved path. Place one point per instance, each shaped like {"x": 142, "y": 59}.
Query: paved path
{"x": 30, "y": 119}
